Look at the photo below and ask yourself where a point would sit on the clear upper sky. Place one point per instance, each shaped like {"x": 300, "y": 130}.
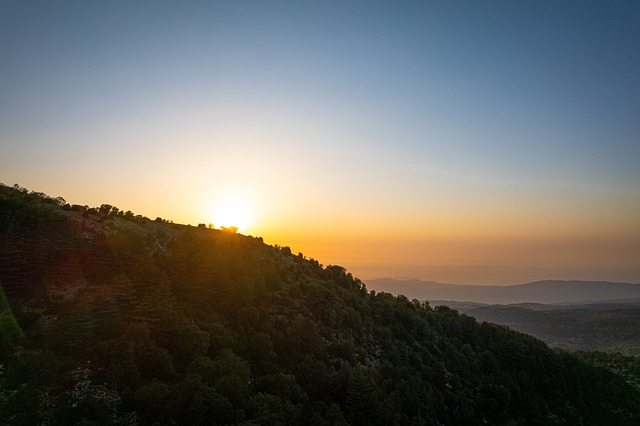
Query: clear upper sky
{"x": 461, "y": 141}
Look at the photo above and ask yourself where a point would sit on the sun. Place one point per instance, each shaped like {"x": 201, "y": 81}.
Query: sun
{"x": 232, "y": 212}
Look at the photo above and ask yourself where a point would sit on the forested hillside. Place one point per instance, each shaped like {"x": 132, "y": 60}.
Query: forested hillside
{"x": 113, "y": 318}
{"x": 611, "y": 327}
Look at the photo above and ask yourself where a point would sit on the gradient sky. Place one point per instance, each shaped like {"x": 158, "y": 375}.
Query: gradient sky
{"x": 484, "y": 142}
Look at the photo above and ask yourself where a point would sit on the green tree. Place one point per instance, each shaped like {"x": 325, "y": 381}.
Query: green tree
{"x": 10, "y": 332}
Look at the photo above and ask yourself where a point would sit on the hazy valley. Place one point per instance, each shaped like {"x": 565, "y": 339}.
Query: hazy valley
{"x": 572, "y": 315}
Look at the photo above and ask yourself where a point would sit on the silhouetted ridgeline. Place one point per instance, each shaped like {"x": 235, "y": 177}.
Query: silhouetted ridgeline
{"x": 133, "y": 321}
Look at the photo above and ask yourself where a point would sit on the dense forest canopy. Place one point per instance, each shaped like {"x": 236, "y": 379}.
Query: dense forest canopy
{"x": 112, "y": 318}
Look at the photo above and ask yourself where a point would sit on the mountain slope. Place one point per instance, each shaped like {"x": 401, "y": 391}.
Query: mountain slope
{"x": 613, "y": 327}
{"x": 132, "y": 321}
{"x": 547, "y": 292}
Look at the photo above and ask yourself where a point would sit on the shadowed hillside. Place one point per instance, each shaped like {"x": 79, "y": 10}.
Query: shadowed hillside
{"x": 612, "y": 327}
{"x": 118, "y": 319}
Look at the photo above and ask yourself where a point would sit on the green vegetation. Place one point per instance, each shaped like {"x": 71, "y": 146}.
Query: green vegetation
{"x": 606, "y": 327}
{"x": 625, "y": 366}
{"x": 132, "y": 321}
{"x": 10, "y": 333}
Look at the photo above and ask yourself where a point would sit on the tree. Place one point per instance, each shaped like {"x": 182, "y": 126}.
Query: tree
{"x": 105, "y": 209}
{"x": 10, "y": 332}
{"x": 361, "y": 402}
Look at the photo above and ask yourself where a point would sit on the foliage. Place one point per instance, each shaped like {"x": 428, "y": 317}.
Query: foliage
{"x": 129, "y": 321}
{"x": 10, "y": 333}
{"x": 605, "y": 327}
{"x": 626, "y": 366}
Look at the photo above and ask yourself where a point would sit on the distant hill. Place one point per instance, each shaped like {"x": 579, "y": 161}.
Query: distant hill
{"x": 114, "y": 318}
{"x": 546, "y": 292}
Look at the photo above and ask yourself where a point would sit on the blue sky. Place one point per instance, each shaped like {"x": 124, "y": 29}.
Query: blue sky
{"x": 445, "y": 121}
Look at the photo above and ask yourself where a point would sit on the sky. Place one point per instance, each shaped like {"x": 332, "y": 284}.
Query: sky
{"x": 492, "y": 142}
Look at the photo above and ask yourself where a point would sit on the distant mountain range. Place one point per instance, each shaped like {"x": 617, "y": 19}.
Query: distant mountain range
{"x": 547, "y": 292}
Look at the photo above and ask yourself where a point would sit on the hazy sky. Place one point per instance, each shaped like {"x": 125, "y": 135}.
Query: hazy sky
{"x": 461, "y": 141}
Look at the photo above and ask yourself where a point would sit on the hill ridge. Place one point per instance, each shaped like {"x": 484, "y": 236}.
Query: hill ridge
{"x": 545, "y": 291}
